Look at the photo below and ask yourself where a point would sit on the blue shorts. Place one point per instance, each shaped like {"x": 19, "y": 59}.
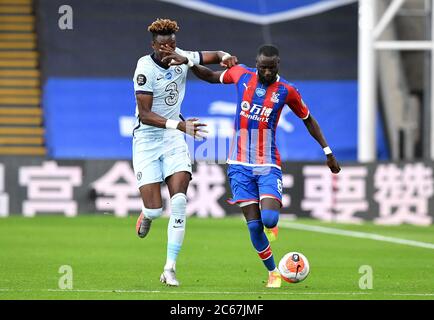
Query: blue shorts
{"x": 252, "y": 184}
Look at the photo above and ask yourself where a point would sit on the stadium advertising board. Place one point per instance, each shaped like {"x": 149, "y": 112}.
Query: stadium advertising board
{"x": 385, "y": 193}
{"x": 94, "y": 119}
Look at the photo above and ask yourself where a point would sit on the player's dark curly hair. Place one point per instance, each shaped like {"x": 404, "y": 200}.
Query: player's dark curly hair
{"x": 268, "y": 50}
{"x": 163, "y": 27}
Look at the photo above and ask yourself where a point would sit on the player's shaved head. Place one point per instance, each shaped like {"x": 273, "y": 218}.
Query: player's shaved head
{"x": 267, "y": 63}
{"x": 268, "y": 50}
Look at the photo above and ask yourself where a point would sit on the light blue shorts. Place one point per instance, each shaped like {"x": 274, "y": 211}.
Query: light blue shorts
{"x": 156, "y": 158}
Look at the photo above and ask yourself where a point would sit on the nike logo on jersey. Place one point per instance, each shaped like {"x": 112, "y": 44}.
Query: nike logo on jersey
{"x": 160, "y": 77}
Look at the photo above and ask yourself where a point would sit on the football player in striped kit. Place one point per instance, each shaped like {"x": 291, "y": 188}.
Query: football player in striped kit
{"x": 254, "y": 169}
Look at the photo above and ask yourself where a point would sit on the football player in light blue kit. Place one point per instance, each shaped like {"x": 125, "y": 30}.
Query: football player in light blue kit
{"x": 160, "y": 152}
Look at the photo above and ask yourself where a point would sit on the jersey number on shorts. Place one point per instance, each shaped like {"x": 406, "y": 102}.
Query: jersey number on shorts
{"x": 172, "y": 98}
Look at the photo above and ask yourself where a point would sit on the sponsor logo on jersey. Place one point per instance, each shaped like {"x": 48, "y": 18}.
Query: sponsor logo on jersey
{"x": 160, "y": 76}
{"x": 255, "y": 112}
{"x": 141, "y": 79}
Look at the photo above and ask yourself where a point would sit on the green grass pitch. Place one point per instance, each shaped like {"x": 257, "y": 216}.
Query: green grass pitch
{"x": 217, "y": 261}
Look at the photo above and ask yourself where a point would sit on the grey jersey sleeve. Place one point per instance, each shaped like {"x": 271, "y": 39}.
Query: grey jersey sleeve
{"x": 143, "y": 77}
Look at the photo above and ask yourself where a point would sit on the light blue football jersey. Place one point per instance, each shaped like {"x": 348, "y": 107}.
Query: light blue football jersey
{"x": 167, "y": 87}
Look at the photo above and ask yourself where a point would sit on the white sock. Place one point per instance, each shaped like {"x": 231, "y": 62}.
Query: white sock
{"x": 152, "y": 213}
{"x": 175, "y": 228}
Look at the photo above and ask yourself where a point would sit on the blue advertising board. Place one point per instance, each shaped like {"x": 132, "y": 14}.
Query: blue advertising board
{"x": 93, "y": 119}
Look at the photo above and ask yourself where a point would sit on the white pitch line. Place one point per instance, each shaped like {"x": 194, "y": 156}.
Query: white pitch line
{"x": 183, "y": 292}
{"x": 356, "y": 234}
{"x": 211, "y": 292}
{"x": 412, "y": 294}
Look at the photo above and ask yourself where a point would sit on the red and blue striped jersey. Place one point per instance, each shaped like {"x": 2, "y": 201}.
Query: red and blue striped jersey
{"x": 258, "y": 112}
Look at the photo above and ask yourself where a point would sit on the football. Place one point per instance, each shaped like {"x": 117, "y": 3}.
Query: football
{"x": 294, "y": 267}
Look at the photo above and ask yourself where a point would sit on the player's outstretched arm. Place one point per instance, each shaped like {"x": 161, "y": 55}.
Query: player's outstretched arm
{"x": 201, "y": 72}
{"x": 206, "y": 74}
{"x": 315, "y": 131}
{"x": 208, "y": 57}
{"x": 190, "y": 126}
{"x": 223, "y": 58}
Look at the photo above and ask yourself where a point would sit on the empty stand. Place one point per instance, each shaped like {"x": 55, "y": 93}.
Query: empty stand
{"x": 21, "y": 121}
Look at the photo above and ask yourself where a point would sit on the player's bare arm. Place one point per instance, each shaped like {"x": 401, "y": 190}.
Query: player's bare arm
{"x": 206, "y": 74}
{"x": 201, "y": 72}
{"x": 208, "y": 57}
{"x": 225, "y": 59}
{"x": 146, "y": 116}
{"x": 172, "y": 58}
{"x": 315, "y": 131}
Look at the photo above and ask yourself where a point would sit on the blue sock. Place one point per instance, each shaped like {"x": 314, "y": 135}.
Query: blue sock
{"x": 261, "y": 244}
{"x": 269, "y": 218}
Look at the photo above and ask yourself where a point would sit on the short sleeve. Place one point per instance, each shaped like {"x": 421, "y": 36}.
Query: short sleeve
{"x": 143, "y": 78}
{"x": 194, "y": 56}
{"x": 232, "y": 75}
{"x": 296, "y": 103}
